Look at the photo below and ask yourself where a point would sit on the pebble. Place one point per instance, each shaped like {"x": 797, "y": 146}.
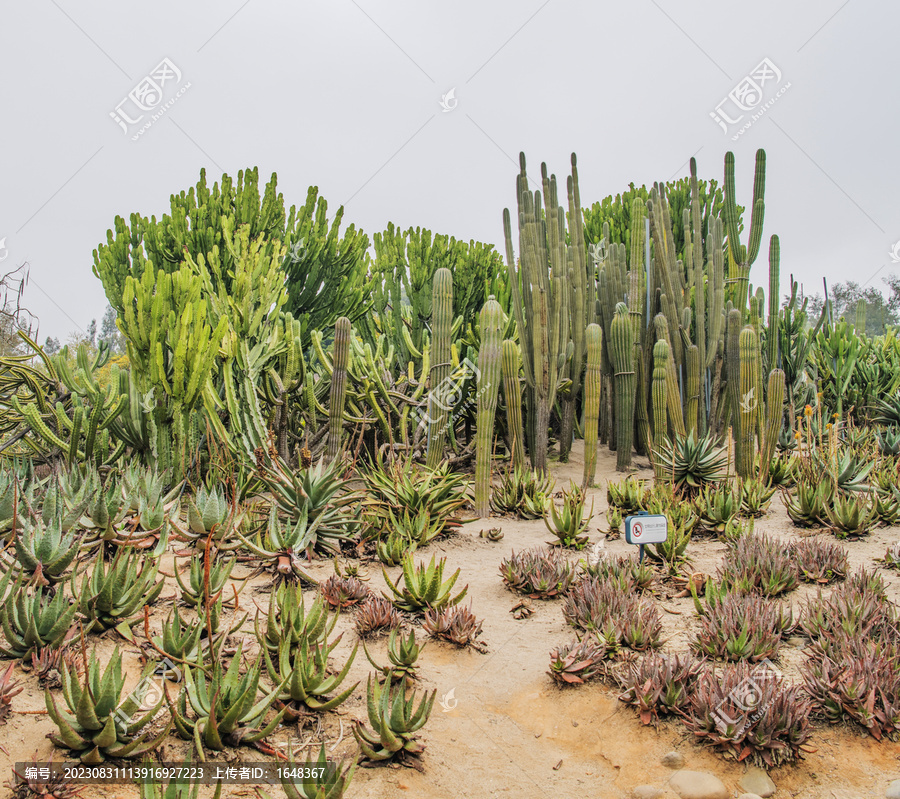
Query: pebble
{"x": 797, "y": 641}
{"x": 646, "y": 792}
{"x": 893, "y": 790}
{"x": 757, "y": 781}
{"x": 698, "y": 785}
{"x": 749, "y": 796}
{"x": 673, "y": 760}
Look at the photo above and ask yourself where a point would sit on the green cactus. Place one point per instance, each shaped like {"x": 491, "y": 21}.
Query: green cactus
{"x": 441, "y": 321}
{"x": 340, "y": 356}
{"x": 622, "y": 355}
{"x": 774, "y": 421}
{"x": 748, "y": 348}
{"x": 513, "y": 397}
{"x": 540, "y": 300}
{"x": 658, "y": 393}
{"x": 860, "y": 317}
{"x": 741, "y": 257}
{"x": 692, "y": 387}
{"x": 774, "y": 298}
{"x": 488, "y": 385}
{"x": 592, "y": 383}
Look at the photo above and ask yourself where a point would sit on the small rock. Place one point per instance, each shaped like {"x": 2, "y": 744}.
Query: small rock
{"x": 749, "y": 796}
{"x": 796, "y": 640}
{"x": 673, "y": 760}
{"x": 757, "y": 781}
{"x": 893, "y": 790}
{"x": 646, "y": 792}
{"x": 698, "y": 785}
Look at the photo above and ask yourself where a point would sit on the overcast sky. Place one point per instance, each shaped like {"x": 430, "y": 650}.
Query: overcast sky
{"x": 346, "y": 95}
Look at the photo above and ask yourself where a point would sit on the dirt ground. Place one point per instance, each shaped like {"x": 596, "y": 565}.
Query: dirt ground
{"x": 505, "y": 729}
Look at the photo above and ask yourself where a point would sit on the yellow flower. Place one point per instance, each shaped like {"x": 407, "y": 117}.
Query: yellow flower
{"x": 808, "y": 410}
{"x": 828, "y": 426}
{"x": 797, "y": 436}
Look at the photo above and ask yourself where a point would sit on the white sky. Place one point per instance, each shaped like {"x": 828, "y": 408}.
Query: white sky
{"x": 345, "y": 95}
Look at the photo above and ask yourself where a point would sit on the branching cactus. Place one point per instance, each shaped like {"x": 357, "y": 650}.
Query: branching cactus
{"x": 512, "y": 394}
{"x": 441, "y": 323}
{"x": 741, "y": 256}
{"x": 621, "y": 353}
{"x": 592, "y": 384}
{"x": 488, "y": 384}
{"x": 340, "y": 357}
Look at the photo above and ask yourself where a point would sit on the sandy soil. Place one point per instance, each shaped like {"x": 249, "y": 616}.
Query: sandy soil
{"x": 506, "y": 729}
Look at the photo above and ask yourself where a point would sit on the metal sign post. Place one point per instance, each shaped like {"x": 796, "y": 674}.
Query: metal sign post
{"x": 644, "y": 528}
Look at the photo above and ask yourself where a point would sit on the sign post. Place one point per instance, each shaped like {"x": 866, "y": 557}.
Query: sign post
{"x": 644, "y": 528}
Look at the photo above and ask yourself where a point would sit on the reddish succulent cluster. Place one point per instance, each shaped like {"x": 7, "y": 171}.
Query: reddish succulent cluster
{"x": 819, "y": 561}
{"x": 456, "y": 624}
{"x": 342, "y": 592}
{"x": 577, "y": 662}
{"x": 376, "y": 614}
{"x": 742, "y": 627}
{"x": 539, "y": 573}
{"x": 759, "y": 564}
{"x": 659, "y": 684}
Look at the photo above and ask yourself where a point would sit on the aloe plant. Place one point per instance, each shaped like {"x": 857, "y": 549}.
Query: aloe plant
{"x": 283, "y": 546}
{"x": 402, "y": 655}
{"x": 569, "y": 523}
{"x": 315, "y": 779}
{"x": 209, "y": 513}
{"x": 424, "y": 586}
{"x": 114, "y": 592}
{"x": 44, "y": 551}
{"x": 394, "y": 720}
{"x": 308, "y": 684}
{"x": 95, "y": 723}
{"x": 35, "y": 621}
{"x": 193, "y": 588}
{"x": 225, "y": 706}
{"x": 522, "y": 492}
{"x": 577, "y": 662}
{"x": 288, "y": 620}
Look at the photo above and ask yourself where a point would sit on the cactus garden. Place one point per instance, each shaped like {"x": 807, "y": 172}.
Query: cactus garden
{"x": 357, "y": 505}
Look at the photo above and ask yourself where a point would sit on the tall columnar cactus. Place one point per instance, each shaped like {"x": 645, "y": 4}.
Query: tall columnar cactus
{"x": 593, "y": 377}
{"x": 692, "y": 387}
{"x": 513, "y": 395}
{"x": 774, "y": 297}
{"x": 774, "y": 421}
{"x": 673, "y": 396}
{"x": 658, "y": 395}
{"x": 733, "y": 369}
{"x": 739, "y": 255}
{"x": 441, "y": 322}
{"x": 860, "y": 317}
{"x": 715, "y": 324}
{"x": 540, "y": 300}
{"x": 621, "y": 352}
{"x": 488, "y": 384}
{"x": 339, "y": 360}
{"x": 581, "y": 304}
{"x": 748, "y": 347}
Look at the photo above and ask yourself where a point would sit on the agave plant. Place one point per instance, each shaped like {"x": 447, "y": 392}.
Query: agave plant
{"x": 889, "y": 441}
{"x": 892, "y": 556}
{"x": 614, "y": 519}
{"x": 66, "y": 498}
{"x": 376, "y": 614}
{"x": 807, "y": 505}
{"x": 628, "y": 496}
{"x": 424, "y": 586}
{"x": 402, "y": 656}
{"x": 671, "y": 552}
{"x": 405, "y": 490}
{"x": 457, "y": 625}
{"x": 225, "y": 705}
{"x": 418, "y": 528}
{"x": 742, "y": 627}
{"x": 523, "y": 493}
{"x": 114, "y": 592}
{"x": 95, "y": 723}
{"x": 197, "y": 585}
{"x": 308, "y": 685}
{"x": 850, "y": 514}
{"x": 759, "y": 564}
{"x": 659, "y": 684}
{"x": 783, "y": 470}
{"x": 577, "y": 662}
{"x": 846, "y": 470}
{"x": 819, "y": 561}
{"x": 718, "y": 505}
{"x": 887, "y": 507}
{"x": 750, "y": 712}
{"x": 106, "y": 512}
{"x": 16, "y": 496}
{"x": 315, "y": 779}
{"x": 34, "y": 621}
{"x": 538, "y": 573}
{"x": 289, "y": 620}
{"x": 394, "y": 720}
{"x": 690, "y": 462}
{"x": 569, "y": 522}
{"x": 756, "y": 496}
{"x": 641, "y": 626}
{"x": 181, "y": 640}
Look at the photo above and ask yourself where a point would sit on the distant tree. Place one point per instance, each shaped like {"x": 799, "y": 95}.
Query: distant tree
{"x": 91, "y": 335}
{"x": 881, "y": 311}
{"x": 13, "y": 317}
{"x": 110, "y": 333}
{"x": 52, "y": 346}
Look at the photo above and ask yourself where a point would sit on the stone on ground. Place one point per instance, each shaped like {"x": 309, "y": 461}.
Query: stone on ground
{"x": 757, "y": 781}
{"x": 674, "y": 760}
{"x": 893, "y": 790}
{"x": 698, "y": 785}
{"x": 646, "y": 792}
